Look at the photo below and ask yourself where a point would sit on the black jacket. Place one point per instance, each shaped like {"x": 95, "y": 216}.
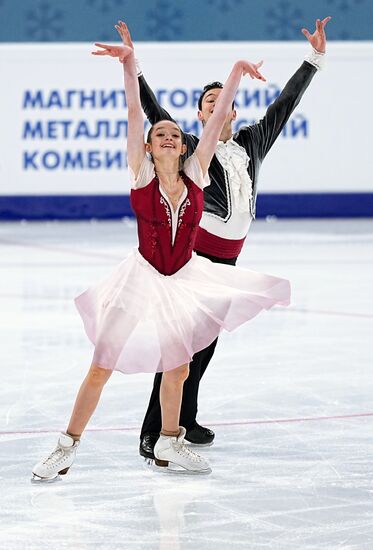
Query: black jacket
{"x": 256, "y": 139}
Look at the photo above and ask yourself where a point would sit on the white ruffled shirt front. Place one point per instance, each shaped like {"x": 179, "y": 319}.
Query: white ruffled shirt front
{"x": 235, "y": 161}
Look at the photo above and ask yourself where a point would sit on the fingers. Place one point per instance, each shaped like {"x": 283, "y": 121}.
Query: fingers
{"x": 306, "y": 33}
{"x": 124, "y": 29}
{"x": 123, "y": 25}
{"x": 106, "y": 49}
{"x": 121, "y": 28}
{"x": 120, "y": 32}
{"x": 106, "y": 46}
{"x": 319, "y": 27}
{"x": 124, "y": 33}
{"x": 257, "y": 74}
{"x": 252, "y": 70}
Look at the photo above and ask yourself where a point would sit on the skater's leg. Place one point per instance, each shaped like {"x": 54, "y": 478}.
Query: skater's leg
{"x": 87, "y": 399}
{"x": 199, "y": 435}
{"x": 189, "y": 405}
{"x": 167, "y": 390}
{"x": 170, "y": 450}
{"x": 170, "y": 398}
{"x": 196, "y": 434}
{"x": 61, "y": 459}
{"x": 152, "y": 422}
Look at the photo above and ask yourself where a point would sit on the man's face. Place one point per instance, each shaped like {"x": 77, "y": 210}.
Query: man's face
{"x": 208, "y": 106}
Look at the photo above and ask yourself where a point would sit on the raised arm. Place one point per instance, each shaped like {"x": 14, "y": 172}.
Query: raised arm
{"x": 153, "y": 110}
{"x": 278, "y": 113}
{"x": 212, "y": 130}
{"x": 135, "y": 140}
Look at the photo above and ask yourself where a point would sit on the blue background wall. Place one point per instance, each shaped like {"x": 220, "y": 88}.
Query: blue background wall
{"x": 181, "y": 20}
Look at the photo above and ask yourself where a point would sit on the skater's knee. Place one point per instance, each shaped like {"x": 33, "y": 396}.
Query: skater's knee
{"x": 177, "y": 376}
{"x": 184, "y": 372}
{"x": 98, "y": 376}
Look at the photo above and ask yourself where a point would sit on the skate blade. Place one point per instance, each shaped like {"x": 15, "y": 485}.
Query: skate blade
{"x": 36, "y": 479}
{"x": 199, "y": 444}
{"x": 175, "y": 469}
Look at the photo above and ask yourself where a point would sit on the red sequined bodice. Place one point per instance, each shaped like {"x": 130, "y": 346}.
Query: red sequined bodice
{"x": 154, "y": 225}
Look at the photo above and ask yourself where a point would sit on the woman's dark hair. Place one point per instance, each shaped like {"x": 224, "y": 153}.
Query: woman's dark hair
{"x": 149, "y": 136}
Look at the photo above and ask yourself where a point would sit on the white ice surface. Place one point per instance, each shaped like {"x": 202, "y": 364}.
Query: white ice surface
{"x": 289, "y": 396}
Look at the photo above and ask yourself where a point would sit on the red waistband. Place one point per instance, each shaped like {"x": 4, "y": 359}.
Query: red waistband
{"x": 207, "y": 243}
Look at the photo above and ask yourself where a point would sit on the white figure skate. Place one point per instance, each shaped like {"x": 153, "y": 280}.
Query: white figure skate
{"x": 58, "y": 462}
{"x": 173, "y": 455}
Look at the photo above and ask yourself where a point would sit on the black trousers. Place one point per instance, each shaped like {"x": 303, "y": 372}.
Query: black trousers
{"x": 189, "y": 406}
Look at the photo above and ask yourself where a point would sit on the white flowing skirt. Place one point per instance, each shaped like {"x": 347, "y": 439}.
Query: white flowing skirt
{"x": 142, "y": 321}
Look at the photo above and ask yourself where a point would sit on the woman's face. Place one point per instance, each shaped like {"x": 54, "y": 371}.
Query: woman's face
{"x": 166, "y": 141}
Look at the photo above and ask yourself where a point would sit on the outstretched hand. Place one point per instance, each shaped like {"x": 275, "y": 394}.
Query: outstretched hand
{"x": 318, "y": 38}
{"x": 122, "y": 52}
{"x": 124, "y": 33}
{"x": 252, "y": 70}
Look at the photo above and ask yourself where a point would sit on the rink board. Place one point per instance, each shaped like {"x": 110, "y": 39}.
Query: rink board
{"x": 64, "y": 125}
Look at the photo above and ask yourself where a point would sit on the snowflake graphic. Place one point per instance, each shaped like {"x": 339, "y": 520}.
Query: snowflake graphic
{"x": 44, "y": 23}
{"x": 105, "y": 5}
{"x": 164, "y": 21}
{"x": 345, "y": 5}
{"x": 224, "y": 5}
{"x": 285, "y": 21}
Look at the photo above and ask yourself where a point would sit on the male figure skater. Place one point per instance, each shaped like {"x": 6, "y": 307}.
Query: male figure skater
{"x": 229, "y": 208}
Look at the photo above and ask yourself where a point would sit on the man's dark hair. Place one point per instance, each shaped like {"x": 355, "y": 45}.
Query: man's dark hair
{"x": 207, "y": 88}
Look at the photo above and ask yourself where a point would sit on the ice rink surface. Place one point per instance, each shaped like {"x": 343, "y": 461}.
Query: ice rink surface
{"x": 289, "y": 395}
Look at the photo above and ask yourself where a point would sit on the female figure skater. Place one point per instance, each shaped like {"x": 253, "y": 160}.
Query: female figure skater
{"x": 162, "y": 304}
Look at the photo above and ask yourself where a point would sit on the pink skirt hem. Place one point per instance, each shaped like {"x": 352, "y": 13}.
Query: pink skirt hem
{"x": 142, "y": 321}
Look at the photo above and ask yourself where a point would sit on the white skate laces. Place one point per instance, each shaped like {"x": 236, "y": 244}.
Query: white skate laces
{"x": 58, "y": 462}
{"x": 174, "y": 455}
{"x": 55, "y": 458}
{"x": 184, "y": 451}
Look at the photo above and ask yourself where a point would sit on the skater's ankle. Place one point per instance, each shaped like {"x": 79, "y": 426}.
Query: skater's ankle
{"x": 75, "y": 437}
{"x": 168, "y": 433}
